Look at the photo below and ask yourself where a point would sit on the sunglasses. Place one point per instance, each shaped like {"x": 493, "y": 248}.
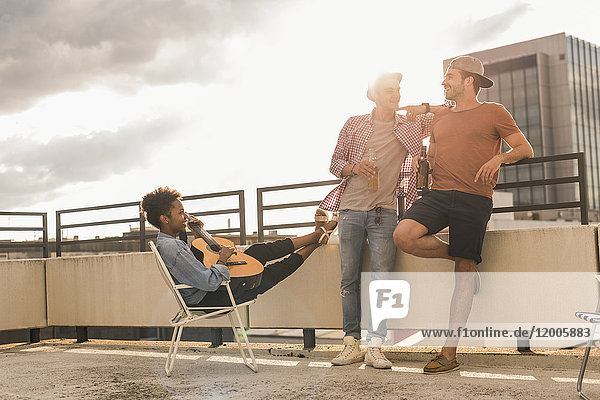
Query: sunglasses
{"x": 378, "y": 217}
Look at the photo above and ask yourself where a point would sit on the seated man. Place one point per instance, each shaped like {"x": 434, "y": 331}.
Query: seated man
{"x": 164, "y": 210}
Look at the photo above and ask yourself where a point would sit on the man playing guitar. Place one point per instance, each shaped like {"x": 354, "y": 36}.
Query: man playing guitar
{"x": 164, "y": 210}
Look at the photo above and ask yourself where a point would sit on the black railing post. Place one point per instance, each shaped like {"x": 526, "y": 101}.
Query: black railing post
{"x": 310, "y": 339}
{"x": 142, "y": 231}
{"x": 259, "y": 208}
{"x": 216, "y": 337}
{"x": 81, "y": 333}
{"x": 524, "y": 345}
{"x": 242, "y": 207}
{"x": 34, "y": 335}
{"x": 58, "y": 235}
{"x": 582, "y": 189}
{"x": 45, "y": 250}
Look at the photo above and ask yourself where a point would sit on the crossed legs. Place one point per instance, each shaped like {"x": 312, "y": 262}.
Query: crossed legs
{"x": 412, "y": 238}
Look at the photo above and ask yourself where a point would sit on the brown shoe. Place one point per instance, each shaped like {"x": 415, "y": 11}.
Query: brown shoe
{"x": 440, "y": 365}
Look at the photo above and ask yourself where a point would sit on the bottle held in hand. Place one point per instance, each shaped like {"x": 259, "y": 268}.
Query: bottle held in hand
{"x": 373, "y": 183}
{"x": 423, "y": 173}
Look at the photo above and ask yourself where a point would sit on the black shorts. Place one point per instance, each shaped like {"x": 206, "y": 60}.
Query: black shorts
{"x": 466, "y": 214}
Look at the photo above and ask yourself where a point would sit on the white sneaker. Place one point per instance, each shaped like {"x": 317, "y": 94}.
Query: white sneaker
{"x": 351, "y": 353}
{"x": 374, "y": 356}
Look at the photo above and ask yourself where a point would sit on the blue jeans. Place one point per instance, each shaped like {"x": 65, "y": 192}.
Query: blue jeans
{"x": 355, "y": 228}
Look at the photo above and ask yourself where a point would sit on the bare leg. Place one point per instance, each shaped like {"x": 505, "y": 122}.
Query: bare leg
{"x": 307, "y": 250}
{"x": 305, "y": 240}
{"x": 411, "y": 237}
{"x": 462, "y": 300}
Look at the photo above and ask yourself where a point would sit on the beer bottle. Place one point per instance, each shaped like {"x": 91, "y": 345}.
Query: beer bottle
{"x": 373, "y": 183}
{"x": 423, "y": 173}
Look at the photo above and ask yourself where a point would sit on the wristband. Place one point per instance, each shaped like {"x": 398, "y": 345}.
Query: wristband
{"x": 427, "y": 109}
{"x": 352, "y": 169}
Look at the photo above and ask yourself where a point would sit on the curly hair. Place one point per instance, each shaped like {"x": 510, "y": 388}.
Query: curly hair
{"x": 157, "y": 203}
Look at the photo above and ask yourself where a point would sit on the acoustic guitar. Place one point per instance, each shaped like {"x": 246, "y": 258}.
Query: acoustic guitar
{"x": 244, "y": 270}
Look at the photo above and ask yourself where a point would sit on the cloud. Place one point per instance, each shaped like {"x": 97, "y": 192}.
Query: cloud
{"x": 50, "y": 47}
{"x": 473, "y": 33}
{"x": 32, "y": 171}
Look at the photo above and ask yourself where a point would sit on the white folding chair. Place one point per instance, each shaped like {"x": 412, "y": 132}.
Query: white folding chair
{"x": 594, "y": 319}
{"x": 186, "y": 315}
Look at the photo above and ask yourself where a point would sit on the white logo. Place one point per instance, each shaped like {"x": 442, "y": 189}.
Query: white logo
{"x": 389, "y": 300}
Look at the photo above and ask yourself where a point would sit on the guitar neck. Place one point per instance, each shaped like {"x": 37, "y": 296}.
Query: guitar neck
{"x": 210, "y": 241}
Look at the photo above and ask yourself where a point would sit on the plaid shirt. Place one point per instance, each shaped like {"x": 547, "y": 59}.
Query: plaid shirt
{"x": 351, "y": 146}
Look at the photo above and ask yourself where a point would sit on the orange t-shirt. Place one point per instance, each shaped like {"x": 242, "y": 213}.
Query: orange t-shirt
{"x": 461, "y": 142}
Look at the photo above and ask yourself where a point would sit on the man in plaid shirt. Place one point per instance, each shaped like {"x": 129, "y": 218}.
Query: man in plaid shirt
{"x": 369, "y": 214}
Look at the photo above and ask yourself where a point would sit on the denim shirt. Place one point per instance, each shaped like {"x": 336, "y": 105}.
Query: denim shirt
{"x": 186, "y": 269}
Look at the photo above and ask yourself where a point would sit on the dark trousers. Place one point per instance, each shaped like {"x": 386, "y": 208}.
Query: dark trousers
{"x": 272, "y": 274}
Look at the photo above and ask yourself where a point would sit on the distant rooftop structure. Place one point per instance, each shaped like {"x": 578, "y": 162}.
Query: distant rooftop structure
{"x": 125, "y": 246}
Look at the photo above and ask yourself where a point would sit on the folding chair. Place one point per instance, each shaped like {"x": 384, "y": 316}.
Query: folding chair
{"x": 594, "y": 319}
{"x": 186, "y": 315}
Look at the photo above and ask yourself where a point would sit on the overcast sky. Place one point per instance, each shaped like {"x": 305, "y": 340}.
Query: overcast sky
{"x": 105, "y": 100}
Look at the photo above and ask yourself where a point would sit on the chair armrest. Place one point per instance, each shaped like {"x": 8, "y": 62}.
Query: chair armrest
{"x": 182, "y": 286}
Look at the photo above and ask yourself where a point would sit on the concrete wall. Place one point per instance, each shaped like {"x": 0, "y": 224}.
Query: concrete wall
{"x": 110, "y": 290}
{"x": 22, "y": 294}
{"x": 521, "y": 273}
{"x": 535, "y": 275}
{"x": 309, "y": 298}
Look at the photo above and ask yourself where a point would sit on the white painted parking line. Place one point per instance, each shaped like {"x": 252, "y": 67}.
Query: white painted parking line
{"x": 574, "y": 380}
{"x": 239, "y": 360}
{"x": 287, "y": 363}
{"x": 130, "y": 353}
{"x": 320, "y": 364}
{"x": 411, "y": 340}
{"x": 468, "y": 374}
{"x": 407, "y": 369}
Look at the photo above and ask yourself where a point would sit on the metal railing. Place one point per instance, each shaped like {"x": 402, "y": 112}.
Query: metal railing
{"x": 141, "y": 237}
{"x": 261, "y": 207}
{"x": 582, "y": 203}
{"x": 27, "y": 244}
{"x": 60, "y": 227}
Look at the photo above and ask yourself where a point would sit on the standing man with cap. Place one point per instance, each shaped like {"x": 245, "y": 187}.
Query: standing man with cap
{"x": 368, "y": 210}
{"x": 465, "y": 158}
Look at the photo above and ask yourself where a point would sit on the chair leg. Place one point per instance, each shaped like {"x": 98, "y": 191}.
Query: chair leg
{"x": 252, "y": 365}
{"x": 586, "y": 355}
{"x": 582, "y": 370}
{"x": 173, "y": 349}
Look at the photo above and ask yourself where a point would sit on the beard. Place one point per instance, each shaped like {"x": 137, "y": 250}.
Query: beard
{"x": 452, "y": 93}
